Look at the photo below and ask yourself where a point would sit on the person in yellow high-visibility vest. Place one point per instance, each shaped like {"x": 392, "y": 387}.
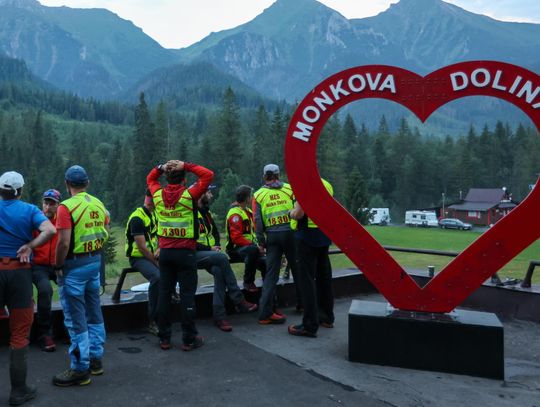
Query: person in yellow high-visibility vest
{"x": 271, "y": 205}
{"x": 210, "y": 258}
{"x": 82, "y": 223}
{"x": 143, "y": 252}
{"x": 314, "y": 273}
{"x": 176, "y": 213}
{"x": 241, "y": 240}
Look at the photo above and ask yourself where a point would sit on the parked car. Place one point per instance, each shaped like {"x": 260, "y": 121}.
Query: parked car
{"x": 450, "y": 223}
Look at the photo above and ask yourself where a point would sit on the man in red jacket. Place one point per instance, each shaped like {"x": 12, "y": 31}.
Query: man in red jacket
{"x": 43, "y": 273}
{"x": 176, "y": 213}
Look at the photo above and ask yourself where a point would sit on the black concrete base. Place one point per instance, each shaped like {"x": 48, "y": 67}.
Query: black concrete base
{"x": 462, "y": 342}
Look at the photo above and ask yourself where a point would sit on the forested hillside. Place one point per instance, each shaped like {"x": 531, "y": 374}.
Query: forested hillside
{"x": 402, "y": 169}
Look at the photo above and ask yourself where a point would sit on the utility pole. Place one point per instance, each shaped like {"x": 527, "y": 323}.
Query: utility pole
{"x": 443, "y": 215}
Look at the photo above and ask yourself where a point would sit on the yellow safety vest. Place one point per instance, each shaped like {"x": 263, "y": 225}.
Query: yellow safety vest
{"x": 177, "y": 222}
{"x": 88, "y": 215}
{"x": 150, "y": 233}
{"x": 247, "y": 225}
{"x": 206, "y": 235}
{"x": 275, "y": 204}
{"x": 310, "y": 223}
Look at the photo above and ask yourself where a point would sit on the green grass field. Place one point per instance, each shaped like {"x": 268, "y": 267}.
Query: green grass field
{"x": 420, "y": 238}
{"x": 439, "y": 239}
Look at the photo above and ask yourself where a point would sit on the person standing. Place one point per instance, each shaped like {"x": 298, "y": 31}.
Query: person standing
{"x": 210, "y": 257}
{"x": 143, "y": 252}
{"x": 18, "y": 220}
{"x": 82, "y": 223}
{"x": 314, "y": 273}
{"x": 271, "y": 206}
{"x": 176, "y": 213}
{"x": 43, "y": 273}
{"x": 241, "y": 239}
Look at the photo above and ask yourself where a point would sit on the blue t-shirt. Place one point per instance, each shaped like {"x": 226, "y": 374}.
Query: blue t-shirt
{"x": 17, "y": 222}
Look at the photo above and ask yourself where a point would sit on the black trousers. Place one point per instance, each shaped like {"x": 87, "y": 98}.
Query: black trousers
{"x": 277, "y": 244}
{"x": 315, "y": 282}
{"x": 42, "y": 277}
{"x": 253, "y": 260}
{"x": 177, "y": 265}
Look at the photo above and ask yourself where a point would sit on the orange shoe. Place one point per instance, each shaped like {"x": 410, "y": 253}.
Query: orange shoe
{"x": 273, "y": 319}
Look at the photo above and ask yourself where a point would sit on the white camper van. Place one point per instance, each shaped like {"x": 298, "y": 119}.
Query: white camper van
{"x": 421, "y": 218}
{"x": 379, "y": 216}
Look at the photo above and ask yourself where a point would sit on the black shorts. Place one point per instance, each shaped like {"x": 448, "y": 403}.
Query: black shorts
{"x": 16, "y": 288}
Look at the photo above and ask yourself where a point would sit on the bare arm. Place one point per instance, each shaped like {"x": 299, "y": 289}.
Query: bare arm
{"x": 47, "y": 231}
{"x": 141, "y": 245}
{"x": 297, "y": 212}
{"x": 62, "y": 247}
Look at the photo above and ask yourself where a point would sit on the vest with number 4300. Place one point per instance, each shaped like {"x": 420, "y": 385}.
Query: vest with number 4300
{"x": 89, "y": 216}
{"x": 275, "y": 204}
{"x": 176, "y": 222}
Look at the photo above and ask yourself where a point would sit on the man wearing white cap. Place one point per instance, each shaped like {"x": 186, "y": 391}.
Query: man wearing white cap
{"x": 17, "y": 222}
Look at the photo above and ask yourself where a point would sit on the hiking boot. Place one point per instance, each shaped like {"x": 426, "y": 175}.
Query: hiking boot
{"x": 273, "y": 319}
{"x": 165, "y": 344}
{"x": 96, "y": 367}
{"x": 223, "y": 325}
{"x": 198, "y": 341}
{"x": 21, "y": 395}
{"x": 20, "y": 391}
{"x": 153, "y": 328}
{"x": 326, "y": 324}
{"x": 245, "y": 307}
{"x": 299, "y": 330}
{"x": 251, "y": 287}
{"x": 72, "y": 377}
{"x": 47, "y": 344}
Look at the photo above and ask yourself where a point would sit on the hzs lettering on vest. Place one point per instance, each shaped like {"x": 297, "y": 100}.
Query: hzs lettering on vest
{"x": 274, "y": 196}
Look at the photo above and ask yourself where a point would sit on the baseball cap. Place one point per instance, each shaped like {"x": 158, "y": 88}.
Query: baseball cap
{"x": 76, "y": 175}
{"x": 271, "y": 168}
{"x": 11, "y": 180}
{"x": 52, "y": 194}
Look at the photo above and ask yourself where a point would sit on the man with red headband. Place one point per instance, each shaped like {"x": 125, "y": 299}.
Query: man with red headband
{"x": 176, "y": 213}
{"x": 143, "y": 252}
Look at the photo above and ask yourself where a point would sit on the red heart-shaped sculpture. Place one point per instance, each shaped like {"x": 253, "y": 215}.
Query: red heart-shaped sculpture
{"x": 421, "y": 95}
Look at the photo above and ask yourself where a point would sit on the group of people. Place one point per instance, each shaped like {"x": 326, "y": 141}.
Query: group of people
{"x": 168, "y": 238}
{"x": 62, "y": 242}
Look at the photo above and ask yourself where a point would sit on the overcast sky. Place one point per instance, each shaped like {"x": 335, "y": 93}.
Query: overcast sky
{"x": 180, "y": 23}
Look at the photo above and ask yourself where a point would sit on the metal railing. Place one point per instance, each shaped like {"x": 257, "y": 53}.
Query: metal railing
{"x": 495, "y": 279}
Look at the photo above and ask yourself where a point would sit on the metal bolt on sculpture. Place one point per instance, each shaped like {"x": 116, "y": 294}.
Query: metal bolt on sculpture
{"x": 422, "y": 96}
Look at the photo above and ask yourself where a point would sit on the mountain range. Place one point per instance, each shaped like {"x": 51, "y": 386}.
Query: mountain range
{"x": 281, "y": 54}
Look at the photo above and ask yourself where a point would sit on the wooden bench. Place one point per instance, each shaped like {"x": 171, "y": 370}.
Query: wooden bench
{"x": 118, "y": 289}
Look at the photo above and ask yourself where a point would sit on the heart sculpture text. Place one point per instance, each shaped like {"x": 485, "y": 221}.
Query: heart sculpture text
{"x": 422, "y": 96}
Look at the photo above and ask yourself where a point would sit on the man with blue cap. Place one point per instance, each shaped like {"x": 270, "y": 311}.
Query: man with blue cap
{"x": 82, "y": 223}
